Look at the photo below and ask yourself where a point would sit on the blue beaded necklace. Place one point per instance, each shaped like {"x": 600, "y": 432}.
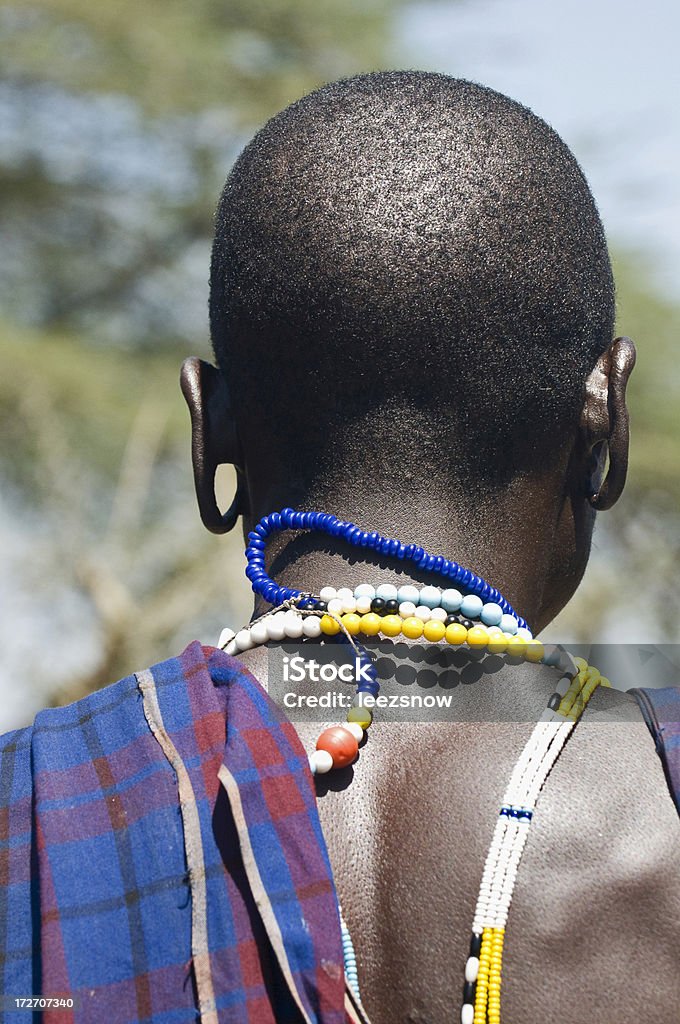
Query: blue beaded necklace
{"x": 324, "y": 522}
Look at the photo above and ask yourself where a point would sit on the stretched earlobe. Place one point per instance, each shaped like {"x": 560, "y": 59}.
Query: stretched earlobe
{"x": 618, "y": 363}
{"x": 214, "y": 442}
{"x": 225, "y": 522}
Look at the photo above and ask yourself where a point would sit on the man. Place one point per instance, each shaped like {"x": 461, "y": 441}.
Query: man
{"x": 412, "y": 313}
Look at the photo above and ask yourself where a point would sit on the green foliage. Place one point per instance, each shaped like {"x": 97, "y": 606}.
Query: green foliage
{"x": 653, "y": 322}
{"x": 252, "y": 56}
{"x": 93, "y": 395}
{"x": 129, "y": 91}
{"x": 131, "y": 114}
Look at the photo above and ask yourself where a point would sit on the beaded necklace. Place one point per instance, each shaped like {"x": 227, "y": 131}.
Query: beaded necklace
{"x": 434, "y": 615}
{"x": 323, "y": 522}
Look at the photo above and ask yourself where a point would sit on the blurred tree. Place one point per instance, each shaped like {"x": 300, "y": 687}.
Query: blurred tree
{"x": 105, "y": 564}
{"x": 654, "y": 322}
{"x": 636, "y": 548}
{"x": 118, "y": 126}
{"x": 119, "y": 123}
{"x": 250, "y": 56}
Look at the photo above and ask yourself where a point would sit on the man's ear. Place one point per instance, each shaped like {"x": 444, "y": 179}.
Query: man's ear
{"x": 214, "y": 441}
{"x": 604, "y": 423}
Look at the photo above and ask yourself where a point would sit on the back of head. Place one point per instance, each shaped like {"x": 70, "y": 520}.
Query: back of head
{"x": 408, "y": 256}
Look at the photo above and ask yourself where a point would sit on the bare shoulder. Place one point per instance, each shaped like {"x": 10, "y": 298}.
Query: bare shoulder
{"x": 600, "y": 890}
{"x": 614, "y": 740}
{"x": 618, "y": 788}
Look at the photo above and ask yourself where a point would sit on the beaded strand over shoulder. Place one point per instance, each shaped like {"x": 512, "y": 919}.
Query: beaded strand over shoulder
{"x": 434, "y": 615}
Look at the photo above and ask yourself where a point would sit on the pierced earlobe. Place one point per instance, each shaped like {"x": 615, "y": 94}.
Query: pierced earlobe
{"x": 598, "y": 501}
{"x": 211, "y": 517}
{"x": 612, "y": 486}
{"x": 595, "y": 472}
{"x": 224, "y": 522}
{"x": 214, "y": 442}
{"x": 622, "y": 361}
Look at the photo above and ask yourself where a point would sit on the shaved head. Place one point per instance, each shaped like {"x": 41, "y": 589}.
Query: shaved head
{"x": 405, "y": 254}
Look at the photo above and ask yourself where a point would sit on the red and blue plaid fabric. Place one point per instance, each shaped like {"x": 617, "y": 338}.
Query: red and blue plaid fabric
{"x": 162, "y": 860}
{"x": 661, "y": 711}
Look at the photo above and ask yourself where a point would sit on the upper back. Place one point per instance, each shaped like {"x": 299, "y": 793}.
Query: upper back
{"x": 593, "y": 930}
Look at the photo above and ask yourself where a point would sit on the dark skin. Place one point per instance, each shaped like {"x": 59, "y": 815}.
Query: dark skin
{"x": 593, "y": 929}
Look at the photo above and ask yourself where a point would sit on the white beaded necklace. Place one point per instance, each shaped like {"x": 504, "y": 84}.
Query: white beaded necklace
{"x": 481, "y": 992}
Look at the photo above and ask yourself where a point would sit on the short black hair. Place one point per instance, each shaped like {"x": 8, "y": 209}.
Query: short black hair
{"x": 408, "y": 243}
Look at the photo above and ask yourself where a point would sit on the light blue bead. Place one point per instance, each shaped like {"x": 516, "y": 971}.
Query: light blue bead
{"x": 451, "y": 600}
{"x": 491, "y": 614}
{"x": 408, "y": 593}
{"x": 387, "y": 591}
{"x": 526, "y": 634}
{"x": 431, "y": 597}
{"x": 471, "y": 606}
{"x": 364, "y": 590}
{"x": 508, "y": 624}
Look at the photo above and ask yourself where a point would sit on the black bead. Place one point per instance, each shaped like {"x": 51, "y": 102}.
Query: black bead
{"x": 322, "y": 606}
{"x": 475, "y": 945}
{"x": 450, "y": 619}
{"x": 378, "y": 605}
{"x": 469, "y": 991}
{"x": 466, "y": 623}
{"x": 391, "y": 606}
{"x": 554, "y": 702}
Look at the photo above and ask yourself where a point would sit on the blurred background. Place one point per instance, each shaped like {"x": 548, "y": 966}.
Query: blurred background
{"x": 118, "y": 125}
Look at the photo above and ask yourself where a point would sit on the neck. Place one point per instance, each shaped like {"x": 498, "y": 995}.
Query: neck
{"x": 507, "y": 539}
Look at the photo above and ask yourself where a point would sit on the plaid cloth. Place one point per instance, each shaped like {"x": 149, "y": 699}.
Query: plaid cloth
{"x": 661, "y": 711}
{"x": 161, "y": 857}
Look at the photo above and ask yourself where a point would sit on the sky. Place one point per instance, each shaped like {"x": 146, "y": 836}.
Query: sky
{"x": 605, "y": 74}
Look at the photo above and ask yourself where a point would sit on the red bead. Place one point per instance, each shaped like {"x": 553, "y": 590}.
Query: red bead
{"x": 340, "y": 744}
